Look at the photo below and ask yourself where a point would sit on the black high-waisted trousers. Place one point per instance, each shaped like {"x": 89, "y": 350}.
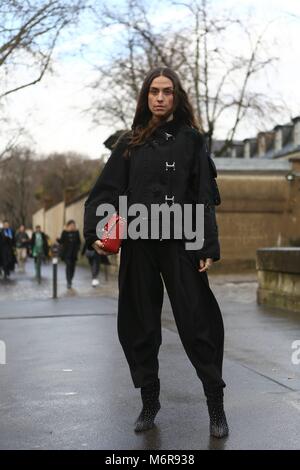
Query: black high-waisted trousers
{"x": 143, "y": 264}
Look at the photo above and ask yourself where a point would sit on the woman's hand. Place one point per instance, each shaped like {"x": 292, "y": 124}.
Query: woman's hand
{"x": 98, "y": 247}
{"x": 204, "y": 265}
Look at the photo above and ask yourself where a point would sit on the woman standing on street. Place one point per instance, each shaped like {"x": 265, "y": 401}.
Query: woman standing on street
{"x": 164, "y": 159}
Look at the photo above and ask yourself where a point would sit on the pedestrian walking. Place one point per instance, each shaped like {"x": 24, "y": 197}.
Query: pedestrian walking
{"x": 70, "y": 245}
{"x": 7, "y": 249}
{"x": 39, "y": 250}
{"x": 95, "y": 260}
{"x": 164, "y": 160}
{"x": 22, "y": 244}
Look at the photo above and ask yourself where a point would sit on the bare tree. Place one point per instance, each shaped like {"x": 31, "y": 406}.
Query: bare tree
{"x": 229, "y": 89}
{"x": 60, "y": 173}
{"x": 219, "y": 81}
{"x": 29, "y": 181}
{"x": 29, "y": 31}
{"x": 141, "y": 48}
{"x": 16, "y": 182}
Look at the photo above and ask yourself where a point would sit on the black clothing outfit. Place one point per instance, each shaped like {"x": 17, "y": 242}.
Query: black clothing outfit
{"x": 144, "y": 179}
{"x": 7, "y": 254}
{"x": 70, "y": 269}
{"x": 94, "y": 260}
{"x": 144, "y": 263}
{"x": 151, "y": 406}
{"x": 70, "y": 245}
{"x": 195, "y": 309}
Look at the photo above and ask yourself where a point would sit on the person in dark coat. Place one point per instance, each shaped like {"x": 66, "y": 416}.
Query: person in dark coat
{"x": 7, "y": 249}
{"x": 70, "y": 245}
{"x": 95, "y": 260}
{"x": 39, "y": 249}
{"x": 164, "y": 160}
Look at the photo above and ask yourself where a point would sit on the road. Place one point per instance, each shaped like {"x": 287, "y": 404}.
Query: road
{"x": 66, "y": 384}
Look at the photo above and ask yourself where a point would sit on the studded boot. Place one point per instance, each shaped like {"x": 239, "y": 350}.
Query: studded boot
{"x": 218, "y": 423}
{"x": 151, "y": 406}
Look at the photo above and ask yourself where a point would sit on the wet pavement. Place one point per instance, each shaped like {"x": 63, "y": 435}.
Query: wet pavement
{"x": 24, "y": 285}
{"x": 66, "y": 383}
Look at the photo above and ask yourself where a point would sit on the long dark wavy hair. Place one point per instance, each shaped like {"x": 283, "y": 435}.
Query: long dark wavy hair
{"x": 143, "y": 123}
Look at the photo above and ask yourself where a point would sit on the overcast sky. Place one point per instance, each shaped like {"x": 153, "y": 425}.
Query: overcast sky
{"x": 52, "y": 113}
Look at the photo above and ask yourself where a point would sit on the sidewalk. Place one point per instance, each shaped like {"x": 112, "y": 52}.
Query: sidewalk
{"x": 24, "y": 285}
{"x": 66, "y": 383}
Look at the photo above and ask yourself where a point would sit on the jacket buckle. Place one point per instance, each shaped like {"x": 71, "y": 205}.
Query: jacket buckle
{"x": 169, "y": 136}
{"x": 169, "y": 198}
{"x": 170, "y": 165}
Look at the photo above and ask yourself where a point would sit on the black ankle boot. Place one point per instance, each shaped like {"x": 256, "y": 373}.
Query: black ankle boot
{"x": 151, "y": 406}
{"x": 218, "y": 423}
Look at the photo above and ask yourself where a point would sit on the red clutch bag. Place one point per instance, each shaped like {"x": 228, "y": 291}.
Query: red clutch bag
{"x": 113, "y": 233}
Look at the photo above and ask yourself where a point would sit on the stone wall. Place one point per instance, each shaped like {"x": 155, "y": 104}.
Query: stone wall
{"x": 75, "y": 211}
{"x": 278, "y": 271}
{"x": 38, "y": 218}
{"x": 54, "y": 221}
{"x": 253, "y": 214}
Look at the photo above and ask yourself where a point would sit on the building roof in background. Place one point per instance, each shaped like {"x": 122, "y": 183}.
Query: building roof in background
{"x": 236, "y": 150}
{"x": 252, "y": 164}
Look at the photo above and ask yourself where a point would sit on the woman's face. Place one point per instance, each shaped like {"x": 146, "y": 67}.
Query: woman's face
{"x": 161, "y": 96}
{"x": 71, "y": 227}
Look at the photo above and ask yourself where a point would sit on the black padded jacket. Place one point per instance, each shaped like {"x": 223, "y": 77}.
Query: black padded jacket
{"x": 143, "y": 178}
